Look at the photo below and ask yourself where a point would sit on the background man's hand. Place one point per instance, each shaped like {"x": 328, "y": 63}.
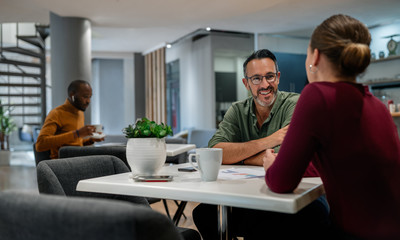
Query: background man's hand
{"x": 87, "y": 130}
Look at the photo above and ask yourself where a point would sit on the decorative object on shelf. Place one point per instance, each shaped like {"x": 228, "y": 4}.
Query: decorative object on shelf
{"x": 381, "y": 55}
{"x": 392, "y": 44}
{"x": 391, "y": 106}
{"x": 146, "y": 149}
{"x": 7, "y": 126}
{"x": 373, "y": 56}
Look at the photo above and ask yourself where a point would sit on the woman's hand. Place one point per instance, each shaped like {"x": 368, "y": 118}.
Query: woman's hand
{"x": 269, "y": 158}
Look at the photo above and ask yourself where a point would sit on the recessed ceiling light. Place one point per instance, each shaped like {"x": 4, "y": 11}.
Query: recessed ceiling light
{"x": 169, "y": 45}
{"x": 208, "y": 29}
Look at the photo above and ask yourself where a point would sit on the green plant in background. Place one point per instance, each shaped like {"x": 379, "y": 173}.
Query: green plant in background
{"x": 7, "y": 126}
{"x": 144, "y": 128}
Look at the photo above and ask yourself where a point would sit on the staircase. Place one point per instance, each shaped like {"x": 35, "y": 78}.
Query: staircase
{"x": 23, "y": 76}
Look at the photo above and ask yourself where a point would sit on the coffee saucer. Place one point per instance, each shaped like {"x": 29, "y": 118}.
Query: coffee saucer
{"x": 96, "y": 136}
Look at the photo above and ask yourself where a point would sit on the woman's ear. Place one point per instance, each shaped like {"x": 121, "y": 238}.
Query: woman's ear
{"x": 316, "y": 57}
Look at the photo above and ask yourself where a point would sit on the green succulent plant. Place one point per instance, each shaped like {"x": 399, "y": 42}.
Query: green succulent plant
{"x": 144, "y": 128}
{"x": 7, "y": 126}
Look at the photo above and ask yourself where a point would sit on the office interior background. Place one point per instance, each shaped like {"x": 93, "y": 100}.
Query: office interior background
{"x": 205, "y": 43}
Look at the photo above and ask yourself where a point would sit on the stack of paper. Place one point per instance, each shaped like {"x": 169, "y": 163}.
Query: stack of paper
{"x": 241, "y": 173}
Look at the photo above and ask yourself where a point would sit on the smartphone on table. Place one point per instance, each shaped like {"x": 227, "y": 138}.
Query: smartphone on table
{"x": 187, "y": 169}
{"x": 158, "y": 178}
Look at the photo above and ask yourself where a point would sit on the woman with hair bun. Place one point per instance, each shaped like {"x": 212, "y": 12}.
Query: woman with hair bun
{"x": 348, "y": 135}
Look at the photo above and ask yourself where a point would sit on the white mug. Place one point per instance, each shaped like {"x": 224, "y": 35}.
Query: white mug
{"x": 208, "y": 162}
{"x": 99, "y": 128}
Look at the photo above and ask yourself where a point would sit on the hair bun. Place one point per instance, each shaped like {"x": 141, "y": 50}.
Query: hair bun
{"x": 355, "y": 58}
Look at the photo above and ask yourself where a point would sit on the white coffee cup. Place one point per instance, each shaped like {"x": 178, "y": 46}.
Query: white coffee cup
{"x": 99, "y": 128}
{"x": 208, "y": 162}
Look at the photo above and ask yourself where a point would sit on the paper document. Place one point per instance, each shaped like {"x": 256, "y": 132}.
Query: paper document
{"x": 241, "y": 173}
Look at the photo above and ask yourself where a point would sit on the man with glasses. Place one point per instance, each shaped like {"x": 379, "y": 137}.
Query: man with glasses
{"x": 248, "y": 129}
{"x": 259, "y": 122}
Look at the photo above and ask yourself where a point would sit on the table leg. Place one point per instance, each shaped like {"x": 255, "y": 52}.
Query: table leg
{"x": 223, "y": 221}
{"x": 179, "y": 212}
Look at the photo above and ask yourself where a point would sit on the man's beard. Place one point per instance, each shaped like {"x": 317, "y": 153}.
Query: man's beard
{"x": 79, "y": 105}
{"x": 262, "y": 103}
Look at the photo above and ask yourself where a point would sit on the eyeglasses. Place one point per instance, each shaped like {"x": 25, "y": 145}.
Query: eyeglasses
{"x": 257, "y": 79}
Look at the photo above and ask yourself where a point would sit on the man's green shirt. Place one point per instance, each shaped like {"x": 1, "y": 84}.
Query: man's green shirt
{"x": 240, "y": 121}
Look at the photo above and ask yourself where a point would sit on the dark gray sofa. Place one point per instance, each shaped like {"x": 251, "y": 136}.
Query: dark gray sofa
{"x": 36, "y": 217}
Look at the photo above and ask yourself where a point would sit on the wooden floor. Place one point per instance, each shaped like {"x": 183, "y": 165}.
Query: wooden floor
{"x": 21, "y": 176}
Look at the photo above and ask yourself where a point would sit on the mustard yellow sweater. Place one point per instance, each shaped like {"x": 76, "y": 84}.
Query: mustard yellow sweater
{"x": 59, "y": 129}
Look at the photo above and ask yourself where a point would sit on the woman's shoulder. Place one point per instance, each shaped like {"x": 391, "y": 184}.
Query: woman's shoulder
{"x": 328, "y": 88}
{"x": 320, "y": 86}
{"x": 317, "y": 88}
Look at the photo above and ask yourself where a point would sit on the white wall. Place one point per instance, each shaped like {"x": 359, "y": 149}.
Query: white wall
{"x": 283, "y": 44}
{"x": 197, "y": 74}
{"x": 129, "y": 92}
{"x": 224, "y": 64}
{"x": 196, "y": 82}
{"x": 126, "y": 108}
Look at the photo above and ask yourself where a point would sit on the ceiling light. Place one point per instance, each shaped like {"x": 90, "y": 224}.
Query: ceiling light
{"x": 169, "y": 45}
{"x": 208, "y": 29}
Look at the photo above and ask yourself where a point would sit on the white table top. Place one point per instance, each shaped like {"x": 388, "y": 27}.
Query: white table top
{"x": 187, "y": 186}
{"x": 172, "y": 149}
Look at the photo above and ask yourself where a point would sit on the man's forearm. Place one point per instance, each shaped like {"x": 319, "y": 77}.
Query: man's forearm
{"x": 256, "y": 160}
{"x": 236, "y": 152}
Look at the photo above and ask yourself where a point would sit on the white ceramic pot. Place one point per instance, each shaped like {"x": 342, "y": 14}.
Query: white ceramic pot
{"x": 146, "y": 156}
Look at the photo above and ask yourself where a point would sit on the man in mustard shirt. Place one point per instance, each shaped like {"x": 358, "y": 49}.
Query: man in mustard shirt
{"x": 64, "y": 125}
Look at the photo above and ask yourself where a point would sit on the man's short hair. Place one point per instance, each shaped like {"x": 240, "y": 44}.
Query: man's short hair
{"x": 74, "y": 85}
{"x": 260, "y": 54}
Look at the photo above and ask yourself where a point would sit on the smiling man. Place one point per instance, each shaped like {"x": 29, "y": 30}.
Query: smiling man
{"x": 64, "y": 125}
{"x": 250, "y": 127}
{"x": 259, "y": 122}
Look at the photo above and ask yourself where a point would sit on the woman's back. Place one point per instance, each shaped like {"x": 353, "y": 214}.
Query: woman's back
{"x": 347, "y": 133}
{"x": 357, "y": 155}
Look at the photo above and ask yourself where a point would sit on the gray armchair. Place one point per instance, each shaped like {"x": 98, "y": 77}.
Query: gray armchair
{"x": 77, "y": 151}
{"x": 200, "y": 137}
{"x": 61, "y": 176}
{"x": 40, "y": 156}
{"x": 36, "y": 217}
{"x": 120, "y": 152}
{"x": 117, "y": 151}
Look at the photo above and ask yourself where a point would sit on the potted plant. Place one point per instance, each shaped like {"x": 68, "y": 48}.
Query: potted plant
{"x": 146, "y": 149}
{"x": 7, "y": 126}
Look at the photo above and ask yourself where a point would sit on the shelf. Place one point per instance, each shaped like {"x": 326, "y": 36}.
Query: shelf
{"x": 383, "y": 83}
{"x": 386, "y": 59}
{"x": 395, "y": 114}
